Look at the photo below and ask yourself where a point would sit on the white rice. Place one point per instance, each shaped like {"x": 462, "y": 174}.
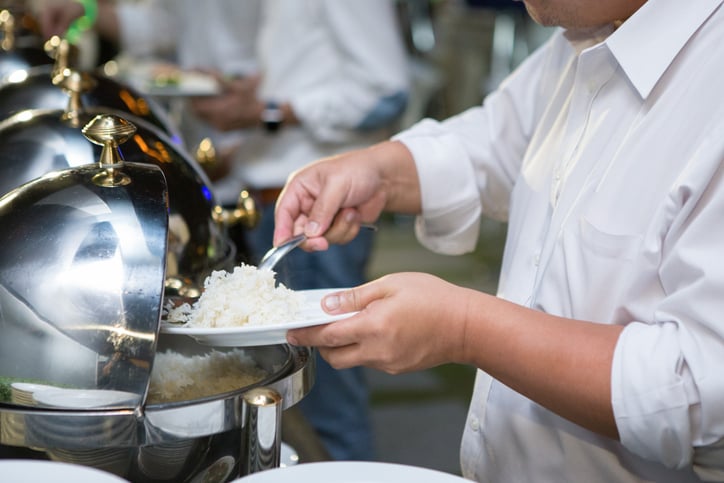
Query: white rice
{"x": 246, "y": 296}
{"x": 177, "y": 377}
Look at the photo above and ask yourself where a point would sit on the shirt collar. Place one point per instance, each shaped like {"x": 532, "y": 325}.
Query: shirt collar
{"x": 647, "y": 43}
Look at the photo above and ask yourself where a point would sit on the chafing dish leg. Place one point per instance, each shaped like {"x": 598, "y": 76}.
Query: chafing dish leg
{"x": 261, "y": 431}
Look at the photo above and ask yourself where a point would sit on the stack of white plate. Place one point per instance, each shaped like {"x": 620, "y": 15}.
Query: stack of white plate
{"x": 351, "y": 472}
{"x": 57, "y": 397}
{"x": 49, "y": 471}
{"x": 22, "y": 392}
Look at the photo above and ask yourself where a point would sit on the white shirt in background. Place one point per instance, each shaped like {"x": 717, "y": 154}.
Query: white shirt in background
{"x": 336, "y": 62}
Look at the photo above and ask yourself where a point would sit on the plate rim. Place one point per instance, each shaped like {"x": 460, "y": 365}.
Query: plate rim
{"x": 58, "y": 469}
{"x": 358, "y": 472}
{"x": 275, "y": 333}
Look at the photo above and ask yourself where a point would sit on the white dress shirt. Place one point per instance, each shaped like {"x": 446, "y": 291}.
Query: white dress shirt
{"x": 604, "y": 152}
{"x": 214, "y": 34}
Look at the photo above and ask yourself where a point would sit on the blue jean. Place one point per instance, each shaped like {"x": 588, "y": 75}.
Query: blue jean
{"x": 337, "y": 407}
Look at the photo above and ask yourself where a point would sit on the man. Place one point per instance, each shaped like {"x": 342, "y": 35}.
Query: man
{"x": 600, "y": 357}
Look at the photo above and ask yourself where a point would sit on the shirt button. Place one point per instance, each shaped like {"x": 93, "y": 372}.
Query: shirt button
{"x": 474, "y": 424}
{"x": 536, "y": 259}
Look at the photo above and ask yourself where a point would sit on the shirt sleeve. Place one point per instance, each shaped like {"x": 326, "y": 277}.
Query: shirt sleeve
{"x": 373, "y": 81}
{"x": 667, "y": 382}
{"x": 468, "y": 164}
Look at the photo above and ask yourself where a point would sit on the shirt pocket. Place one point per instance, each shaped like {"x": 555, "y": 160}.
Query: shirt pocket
{"x": 602, "y": 243}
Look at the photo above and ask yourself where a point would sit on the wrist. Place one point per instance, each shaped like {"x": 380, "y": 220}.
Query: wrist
{"x": 272, "y": 116}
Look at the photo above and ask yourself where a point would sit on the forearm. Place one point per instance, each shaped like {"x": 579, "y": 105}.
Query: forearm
{"x": 563, "y": 364}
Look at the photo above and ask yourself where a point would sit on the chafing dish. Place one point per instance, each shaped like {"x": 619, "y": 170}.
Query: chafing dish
{"x": 81, "y": 290}
{"x": 82, "y": 267}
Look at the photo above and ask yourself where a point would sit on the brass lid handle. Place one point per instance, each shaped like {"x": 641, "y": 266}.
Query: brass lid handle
{"x": 65, "y": 56}
{"x": 110, "y": 132}
{"x": 245, "y": 213}
{"x": 75, "y": 83}
{"x": 7, "y": 29}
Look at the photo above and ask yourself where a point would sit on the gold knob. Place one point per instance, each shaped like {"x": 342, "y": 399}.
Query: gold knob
{"x": 206, "y": 154}
{"x": 110, "y": 132}
{"x": 7, "y": 28}
{"x": 245, "y": 212}
{"x": 65, "y": 55}
{"x": 75, "y": 83}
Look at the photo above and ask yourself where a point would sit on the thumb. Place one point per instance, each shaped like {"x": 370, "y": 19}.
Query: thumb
{"x": 351, "y": 300}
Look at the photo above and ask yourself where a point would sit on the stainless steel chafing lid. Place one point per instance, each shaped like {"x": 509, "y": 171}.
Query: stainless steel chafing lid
{"x": 36, "y": 141}
{"x": 56, "y": 86}
{"x": 82, "y": 264}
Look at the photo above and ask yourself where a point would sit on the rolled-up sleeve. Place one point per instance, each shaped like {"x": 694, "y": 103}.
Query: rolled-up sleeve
{"x": 667, "y": 378}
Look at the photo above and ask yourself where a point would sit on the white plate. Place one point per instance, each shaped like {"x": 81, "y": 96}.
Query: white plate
{"x": 85, "y": 398}
{"x": 351, "y": 472}
{"x": 145, "y": 76}
{"x": 31, "y": 387}
{"x": 287, "y": 455}
{"x": 37, "y": 470}
{"x": 256, "y": 335}
{"x": 187, "y": 83}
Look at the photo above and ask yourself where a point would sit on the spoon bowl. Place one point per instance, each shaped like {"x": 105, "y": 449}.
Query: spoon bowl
{"x": 272, "y": 257}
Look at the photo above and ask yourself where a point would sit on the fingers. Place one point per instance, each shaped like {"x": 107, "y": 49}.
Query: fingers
{"x": 308, "y": 193}
{"x": 402, "y": 323}
{"x": 345, "y": 227}
{"x": 323, "y": 212}
{"x": 329, "y": 198}
{"x": 288, "y": 215}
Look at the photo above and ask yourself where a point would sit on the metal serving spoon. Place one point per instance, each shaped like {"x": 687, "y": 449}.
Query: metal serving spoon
{"x": 272, "y": 257}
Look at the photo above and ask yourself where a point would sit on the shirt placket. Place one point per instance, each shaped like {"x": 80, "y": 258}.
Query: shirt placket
{"x": 574, "y": 170}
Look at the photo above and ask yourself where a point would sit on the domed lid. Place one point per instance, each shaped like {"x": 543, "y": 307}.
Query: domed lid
{"x": 36, "y": 141}
{"x": 82, "y": 265}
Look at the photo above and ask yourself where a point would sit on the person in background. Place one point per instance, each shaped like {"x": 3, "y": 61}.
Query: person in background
{"x": 600, "y": 358}
{"x": 333, "y": 76}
